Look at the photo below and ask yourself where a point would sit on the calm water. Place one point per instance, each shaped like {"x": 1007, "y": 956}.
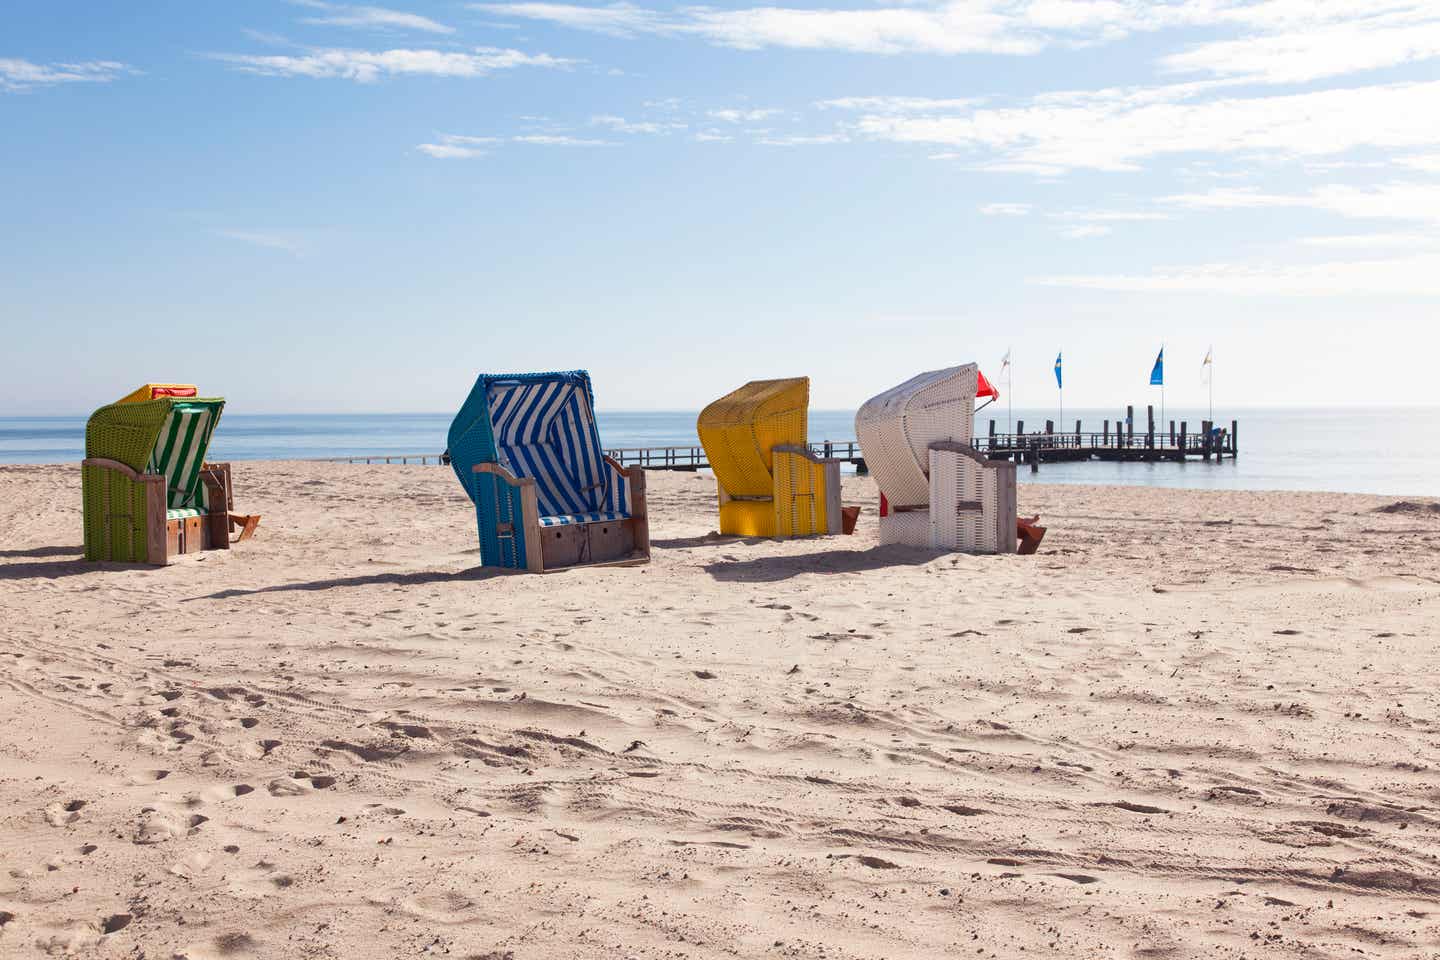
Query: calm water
{"x": 1368, "y": 450}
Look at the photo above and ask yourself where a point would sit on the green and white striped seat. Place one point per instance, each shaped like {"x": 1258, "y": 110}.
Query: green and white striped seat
{"x": 180, "y": 453}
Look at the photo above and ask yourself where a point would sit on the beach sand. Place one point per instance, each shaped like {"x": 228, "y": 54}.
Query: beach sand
{"x": 1196, "y": 724}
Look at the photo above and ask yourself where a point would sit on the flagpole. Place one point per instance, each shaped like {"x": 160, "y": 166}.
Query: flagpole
{"x": 1010, "y": 392}
{"x": 1162, "y": 387}
{"x": 1211, "y": 355}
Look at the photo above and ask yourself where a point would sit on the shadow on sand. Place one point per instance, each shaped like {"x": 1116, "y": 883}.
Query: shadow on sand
{"x": 78, "y": 551}
{"x": 475, "y": 574}
{"x": 708, "y": 540}
{"x": 55, "y": 569}
{"x": 770, "y": 569}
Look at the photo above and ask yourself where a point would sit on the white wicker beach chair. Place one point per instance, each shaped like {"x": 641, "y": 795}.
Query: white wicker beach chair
{"x": 935, "y": 490}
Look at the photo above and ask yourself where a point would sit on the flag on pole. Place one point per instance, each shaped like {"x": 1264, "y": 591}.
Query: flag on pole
{"x": 1005, "y": 362}
{"x": 1208, "y": 363}
{"x": 1058, "y": 381}
{"x": 1157, "y": 372}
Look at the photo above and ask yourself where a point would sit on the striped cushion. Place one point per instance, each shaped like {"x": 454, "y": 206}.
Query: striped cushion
{"x": 183, "y": 514}
{"x": 546, "y": 431}
{"x": 595, "y": 516}
{"x": 180, "y": 451}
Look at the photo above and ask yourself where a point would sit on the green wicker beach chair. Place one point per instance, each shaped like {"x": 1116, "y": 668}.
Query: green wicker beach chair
{"x": 148, "y": 493}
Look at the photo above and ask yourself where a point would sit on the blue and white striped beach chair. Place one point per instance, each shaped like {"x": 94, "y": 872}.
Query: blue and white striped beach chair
{"x": 526, "y": 448}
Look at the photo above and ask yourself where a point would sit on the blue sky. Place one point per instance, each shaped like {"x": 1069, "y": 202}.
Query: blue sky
{"x": 324, "y": 206}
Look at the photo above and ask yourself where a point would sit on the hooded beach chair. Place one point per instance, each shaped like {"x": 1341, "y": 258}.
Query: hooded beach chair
{"x": 771, "y": 485}
{"x": 527, "y": 451}
{"x": 935, "y": 490}
{"x": 148, "y": 494}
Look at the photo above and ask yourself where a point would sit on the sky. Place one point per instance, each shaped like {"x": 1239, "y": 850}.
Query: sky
{"x": 318, "y": 206}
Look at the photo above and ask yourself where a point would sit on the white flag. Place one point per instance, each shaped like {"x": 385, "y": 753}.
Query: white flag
{"x": 1005, "y": 362}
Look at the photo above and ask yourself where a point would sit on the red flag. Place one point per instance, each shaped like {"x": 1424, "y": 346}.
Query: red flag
{"x": 985, "y": 389}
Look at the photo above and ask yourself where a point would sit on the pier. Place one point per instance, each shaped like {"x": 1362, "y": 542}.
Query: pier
{"x": 1116, "y": 440}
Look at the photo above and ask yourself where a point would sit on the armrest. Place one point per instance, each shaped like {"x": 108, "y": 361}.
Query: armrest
{"x": 801, "y": 451}
{"x": 504, "y": 475}
{"x": 116, "y": 465}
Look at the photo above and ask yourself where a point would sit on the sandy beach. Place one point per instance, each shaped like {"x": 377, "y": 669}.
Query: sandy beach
{"x": 1196, "y": 724}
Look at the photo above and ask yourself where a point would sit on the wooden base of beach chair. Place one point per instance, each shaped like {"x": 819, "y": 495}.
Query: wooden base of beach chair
{"x": 608, "y": 542}
{"x": 624, "y": 542}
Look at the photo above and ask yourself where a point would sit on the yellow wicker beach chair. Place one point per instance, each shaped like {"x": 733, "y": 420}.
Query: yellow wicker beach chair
{"x": 148, "y": 493}
{"x": 771, "y": 485}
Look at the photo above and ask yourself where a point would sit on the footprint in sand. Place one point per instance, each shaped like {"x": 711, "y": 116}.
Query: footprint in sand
{"x": 226, "y": 792}
{"x": 223, "y": 947}
{"x": 299, "y": 783}
{"x": 262, "y": 879}
{"x": 1133, "y": 807}
{"x": 1077, "y": 878}
{"x": 155, "y": 826}
{"x": 60, "y": 814}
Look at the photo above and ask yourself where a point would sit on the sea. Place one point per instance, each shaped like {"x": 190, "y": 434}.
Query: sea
{"x": 1384, "y": 450}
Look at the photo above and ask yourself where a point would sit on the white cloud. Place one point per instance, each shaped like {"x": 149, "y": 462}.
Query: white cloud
{"x": 802, "y": 140}
{"x": 742, "y": 116}
{"x": 1430, "y": 163}
{"x": 1390, "y": 201}
{"x": 17, "y": 75}
{"x": 454, "y": 146}
{"x": 712, "y": 136}
{"x": 1368, "y": 241}
{"x": 559, "y": 140}
{"x": 895, "y": 104}
{"x": 1111, "y": 216}
{"x": 368, "y": 66}
{"x": 1119, "y": 130}
{"x": 621, "y": 125}
{"x": 450, "y": 151}
{"x": 342, "y": 15}
{"x": 1084, "y": 231}
{"x": 1279, "y": 40}
{"x": 1413, "y": 276}
{"x": 1305, "y": 50}
{"x": 266, "y": 239}
{"x": 1005, "y": 209}
{"x": 961, "y": 26}
{"x": 616, "y": 19}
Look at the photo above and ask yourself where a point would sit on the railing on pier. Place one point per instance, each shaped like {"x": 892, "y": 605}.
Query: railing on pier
{"x": 693, "y": 457}
{"x": 1122, "y": 442}
{"x": 419, "y": 458}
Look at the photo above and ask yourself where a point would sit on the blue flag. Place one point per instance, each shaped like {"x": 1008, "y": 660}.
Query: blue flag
{"x": 1058, "y": 382}
{"x": 1157, "y": 373}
